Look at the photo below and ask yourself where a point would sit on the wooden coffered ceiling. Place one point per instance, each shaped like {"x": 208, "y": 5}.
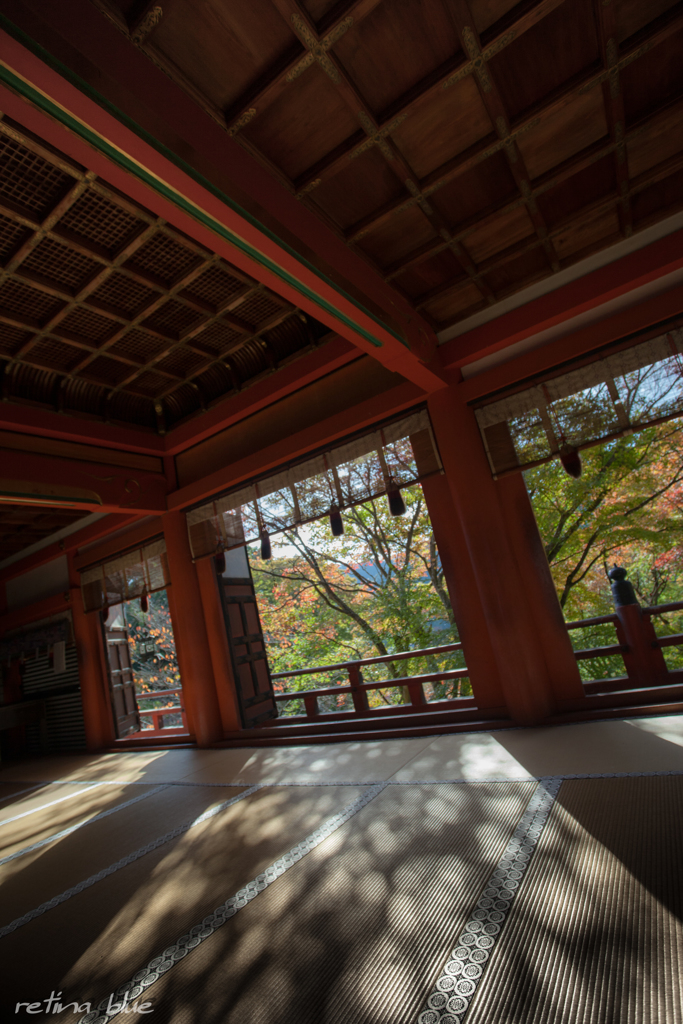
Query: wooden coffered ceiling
{"x": 466, "y": 148}
{"x": 107, "y": 311}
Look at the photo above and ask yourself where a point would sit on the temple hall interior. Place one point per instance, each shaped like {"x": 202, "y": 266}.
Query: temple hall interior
{"x": 341, "y": 511}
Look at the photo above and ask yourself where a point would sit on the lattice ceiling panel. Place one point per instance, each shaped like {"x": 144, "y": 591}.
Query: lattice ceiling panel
{"x": 466, "y": 148}
{"x": 107, "y": 310}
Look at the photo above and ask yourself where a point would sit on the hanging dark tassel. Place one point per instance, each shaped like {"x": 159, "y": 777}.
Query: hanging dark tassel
{"x": 105, "y": 613}
{"x": 336, "y": 523}
{"x": 266, "y": 551}
{"x": 144, "y": 603}
{"x": 571, "y": 461}
{"x": 219, "y": 562}
{"x": 397, "y": 505}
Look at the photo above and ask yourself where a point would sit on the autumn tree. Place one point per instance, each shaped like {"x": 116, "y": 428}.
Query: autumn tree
{"x": 626, "y": 508}
{"x": 377, "y": 590}
{"x": 152, "y": 649}
{"x": 626, "y": 505}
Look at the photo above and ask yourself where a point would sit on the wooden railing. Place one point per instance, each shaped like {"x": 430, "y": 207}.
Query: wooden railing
{"x": 157, "y": 714}
{"x": 359, "y": 689}
{"x": 639, "y": 647}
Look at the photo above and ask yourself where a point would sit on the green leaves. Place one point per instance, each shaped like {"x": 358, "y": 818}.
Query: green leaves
{"x": 378, "y": 589}
{"x": 627, "y": 507}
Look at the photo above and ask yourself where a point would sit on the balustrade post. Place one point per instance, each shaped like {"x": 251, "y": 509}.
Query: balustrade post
{"x": 644, "y": 661}
{"x": 311, "y": 705}
{"x": 359, "y": 697}
{"x": 417, "y": 694}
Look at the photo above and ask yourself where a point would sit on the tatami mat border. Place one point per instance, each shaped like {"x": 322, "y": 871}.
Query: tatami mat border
{"x": 108, "y": 1007}
{"x": 21, "y": 791}
{"x": 81, "y": 824}
{"x": 500, "y": 889}
{"x": 179, "y": 830}
{"x": 452, "y": 995}
{"x": 466, "y": 965}
{"x": 43, "y": 807}
{"x": 363, "y": 782}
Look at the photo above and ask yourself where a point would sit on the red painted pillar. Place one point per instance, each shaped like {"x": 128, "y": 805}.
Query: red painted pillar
{"x": 218, "y": 645}
{"x": 539, "y": 587}
{"x": 189, "y": 629}
{"x": 462, "y": 590}
{"x": 92, "y": 672}
{"x": 512, "y": 628}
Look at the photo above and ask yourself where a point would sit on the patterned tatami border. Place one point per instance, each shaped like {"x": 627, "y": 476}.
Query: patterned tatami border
{"x": 451, "y": 998}
{"x": 81, "y": 824}
{"x": 179, "y": 830}
{"x": 453, "y": 993}
{"x": 355, "y": 782}
{"x": 114, "y": 1003}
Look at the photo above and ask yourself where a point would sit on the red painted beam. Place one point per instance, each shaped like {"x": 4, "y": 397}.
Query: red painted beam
{"x": 69, "y": 544}
{"x": 41, "y": 422}
{"x": 595, "y": 289}
{"x": 332, "y": 355}
{"x": 273, "y": 253}
{"x": 297, "y": 445}
{"x": 25, "y": 419}
{"x": 573, "y": 346}
{"x": 120, "y": 490}
{"x": 110, "y": 548}
{"x": 34, "y": 612}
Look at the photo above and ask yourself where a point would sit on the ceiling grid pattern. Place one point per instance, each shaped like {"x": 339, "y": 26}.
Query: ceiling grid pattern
{"x": 107, "y": 310}
{"x": 466, "y": 148}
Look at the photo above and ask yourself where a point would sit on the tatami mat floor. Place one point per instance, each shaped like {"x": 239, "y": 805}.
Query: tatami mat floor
{"x": 444, "y": 880}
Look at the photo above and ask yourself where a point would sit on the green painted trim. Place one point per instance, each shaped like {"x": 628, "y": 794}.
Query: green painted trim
{"x": 51, "y": 499}
{"x": 18, "y": 85}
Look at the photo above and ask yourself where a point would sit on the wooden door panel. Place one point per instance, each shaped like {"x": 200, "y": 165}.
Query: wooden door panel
{"x": 235, "y": 624}
{"x": 121, "y": 683}
{"x": 251, "y": 614}
{"x": 247, "y": 650}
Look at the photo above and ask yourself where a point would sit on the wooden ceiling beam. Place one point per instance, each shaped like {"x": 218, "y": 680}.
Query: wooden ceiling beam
{"x": 495, "y": 107}
{"x": 550, "y": 180}
{"x": 533, "y": 118}
{"x": 562, "y": 305}
{"x": 242, "y": 212}
{"x": 295, "y": 14}
{"x": 137, "y": 368}
{"x": 54, "y": 321}
{"x": 168, "y": 293}
{"x": 224, "y": 358}
{"x": 315, "y": 44}
{"x": 118, "y": 488}
{"x": 606, "y": 22}
{"x": 454, "y": 71}
{"x": 143, "y": 42}
{"x": 72, "y": 300}
{"x": 599, "y": 206}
